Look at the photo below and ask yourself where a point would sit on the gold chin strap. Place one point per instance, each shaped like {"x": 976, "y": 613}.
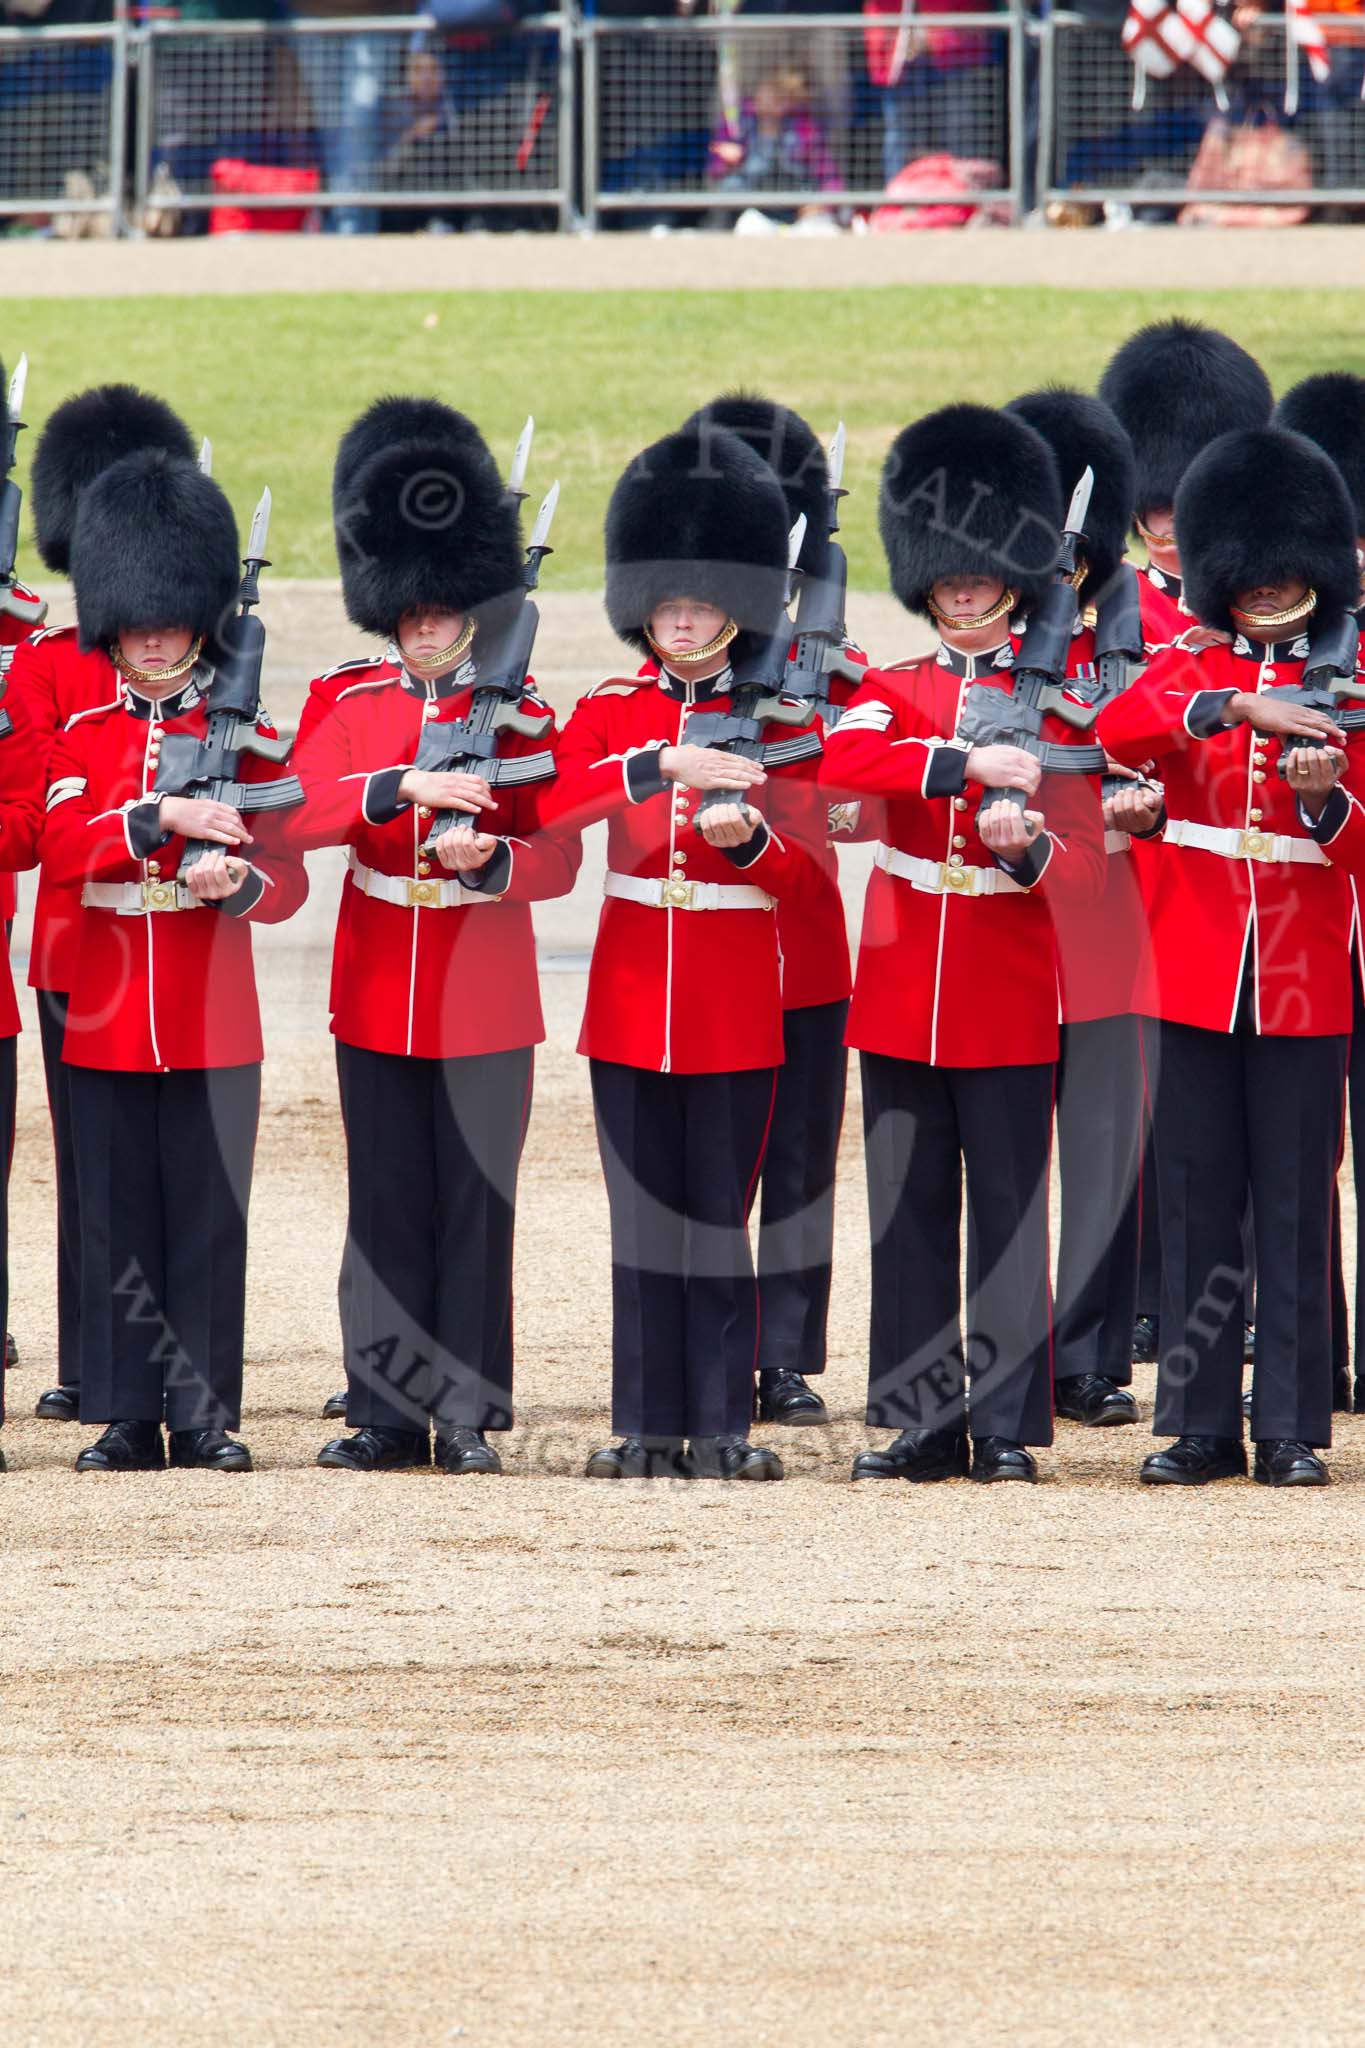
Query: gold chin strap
{"x": 1271, "y": 622}
{"x": 430, "y": 664}
{"x": 1152, "y": 540}
{"x": 155, "y": 675}
{"x": 1001, "y": 609}
{"x": 722, "y": 640}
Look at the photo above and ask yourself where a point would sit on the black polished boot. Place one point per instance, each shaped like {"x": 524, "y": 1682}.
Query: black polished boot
{"x": 785, "y": 1397}
{"x": 466, "y": 1450}
{"x": 125, "y": 1447}
{"x": 997, "y": 1458}
{"x": 1194, "y": 1461}
{"x": 208, "y": 1450}
{"x": 1146, "y": 1341}
{"x": 636, "y": 1457}
{"x": 1280, "y": 1461}
{"x": 919, "y": 1455}
{"x": 1098, "y": 1402}
{"x": 59, "y": 1404}
{"x": 376, "y": 1450}
{"x": 732, "y": 1457}
{"x": 334, "y": 1407}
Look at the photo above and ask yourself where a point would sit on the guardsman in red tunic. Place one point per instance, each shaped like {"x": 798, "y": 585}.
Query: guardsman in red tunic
{"x": 435, "y": 1002}
{"x": 163, "y": 1040}
{"x": 1249, "y": 967}
{"x": 683, "y": 1026}
{"x": 58, "y": 679}
{"x": 1100, "y": 1092}
{"x": 1330, "y": 409}
{"x": 1174, "y": 385}
{"x": 21, "y": 815}
{"x": 796, "y": 1197}
{"x": 955, "y": 999}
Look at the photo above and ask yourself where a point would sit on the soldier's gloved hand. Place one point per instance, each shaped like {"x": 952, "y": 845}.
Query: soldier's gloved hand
{"x": 728, "y": 824}
{"x": 462, "y": 850}
{"x": 446, "y": 790}
{"x": 216, "y": 875}
{"x": 1312, "y": 773}
{"x": 199, "y": 817}
{"x": 709, "y": 768}
{"x": 1008, "y": 831}
{"x": 1004, "y": 768}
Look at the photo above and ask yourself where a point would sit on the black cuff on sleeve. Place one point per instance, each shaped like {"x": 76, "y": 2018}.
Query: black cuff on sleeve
{"x": 1205, "y": 715}
{"x": 145, "y": 832}
{"x": 946, "y": 774}
{"x": 1335, "y": 812}
{"x": 745, "y": 856}
{"x": 382, "y": 801}
{"x": 1028, "y": 870}
{"x": 492, "y": 878}
{"x": 643, "y": 777}
{"x": 246, "y": 898}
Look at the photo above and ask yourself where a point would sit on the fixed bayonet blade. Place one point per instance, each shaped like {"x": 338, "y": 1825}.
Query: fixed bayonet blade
{"x": 206, "y": 457}
{"x": 544, "y": 520}
{"x": 260, "y": 529}
{"x": 521, "y": 455}
{"x": 1080, "y": 502}
{"x": 795, "y": 541}
{"x": 17, "y": 384}
{"x": 836, "y": 457}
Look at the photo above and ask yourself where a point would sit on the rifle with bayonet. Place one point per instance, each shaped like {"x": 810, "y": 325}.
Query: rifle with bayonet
{"x": 759, "y": 698}
{"x": 817, "y": 655}
{"x": 1329, "y": 676}
{"x": 211, "y": 768}
{"x": 469, "y": 745}
{"x": 994, "y": 718}
{"x": 29, "y": 611}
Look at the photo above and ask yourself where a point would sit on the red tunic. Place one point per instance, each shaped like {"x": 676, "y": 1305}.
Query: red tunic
{"x": 954, "y": 978}
{"x": 670, "y": 989}
{"x": 159, "y": 989}
{"x": 57, "y": 681}
{"x": 1101, "y": 944}
{"x": 23, "y": 752}
{"x": 813, "y": 935}
{"x": 1214, "y": 917}
{"x": 432, "y": 981}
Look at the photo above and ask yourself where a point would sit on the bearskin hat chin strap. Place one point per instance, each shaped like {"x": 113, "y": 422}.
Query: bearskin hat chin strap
{"x": 694, "y": 654}
{"x": 1001, "y": 609}
{"x": 170, "y": 674}
{"x": 432, "y": 664}
{"x": 1266, "y": 622}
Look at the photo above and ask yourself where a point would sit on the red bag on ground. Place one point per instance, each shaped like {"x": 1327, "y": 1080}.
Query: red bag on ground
{"x": 936, "y": 174}
{"x": 231, "y": 174}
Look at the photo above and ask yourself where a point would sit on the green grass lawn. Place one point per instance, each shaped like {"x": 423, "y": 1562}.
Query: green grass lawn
{"x": 274, "y": 380}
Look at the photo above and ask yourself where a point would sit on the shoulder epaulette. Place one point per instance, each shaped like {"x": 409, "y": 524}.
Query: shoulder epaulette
{"x": 93, "y": 711}
{"x": 620, "y": 686}
{"x": 50, "y": 633}
{"x": 365, "y": 683}
{"x": 347, "y": 668}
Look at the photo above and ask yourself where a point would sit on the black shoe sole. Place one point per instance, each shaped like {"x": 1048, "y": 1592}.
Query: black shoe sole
{"x": 1112, "y": 1420}
{"x": 801, "y": 1418}
{"x": 926, "y": 1475}
{"x": 346, "y": 1465}
{"x": 1004, "y": 1478}
{"x": 334, "y": 1409}
{"x": 209, "y": 1465}
{"x": 1267, "y": 1479}
{"x": 120, "y": 1469}
{"x": 1191, "y": 1479}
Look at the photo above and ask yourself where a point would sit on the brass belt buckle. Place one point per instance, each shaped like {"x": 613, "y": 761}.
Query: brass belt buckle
{"x": 1254, "y": 845}
{"x": 956, "y": 878}
{"x": 677, "y": 893}
{"x": 159, "y": 896}
{"x": 423, "y": 895}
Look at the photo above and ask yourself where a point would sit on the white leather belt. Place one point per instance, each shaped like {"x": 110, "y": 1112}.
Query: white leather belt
{"x": 675, "y": 892}
{"x": 1117, "y": 842}
{"x": 137, "y": 899}
{"x": 410, "y": 893}
{"x": 1235, "y": 844}
{"x": 938, "y": 878}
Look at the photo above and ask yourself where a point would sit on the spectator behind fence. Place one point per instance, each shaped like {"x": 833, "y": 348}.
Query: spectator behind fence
{"x": 776, "y": 141}
{"x": 938, "y": 86}
{"x": 53, "y": 104}
{"x": 657, "y": 103}
{"x": 344, "y": 76}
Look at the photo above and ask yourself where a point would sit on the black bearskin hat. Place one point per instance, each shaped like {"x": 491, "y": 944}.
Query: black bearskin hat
{"x": 423, "y": 518}
{"x": 970, "y": 491}
{"x": 155, "y": 545}
{"x": 1080, "y": 430}
{"x": 1176, "y": 385}
{"x": 696, "y": 515}
{"x": 1330, "y": 409}
{"x": 790, "y": 449}
{"x": 1260, "y": 506}
{"x": 84, "y": 437}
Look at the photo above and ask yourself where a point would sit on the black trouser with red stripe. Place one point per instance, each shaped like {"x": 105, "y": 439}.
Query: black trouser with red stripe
{"x": 432, "y": 1153}
{"x": 1238, "y": 1114}
{"x": 796, "y": 1204}
{"x": 922, "y": 1126}
{"x": 9, "y": 1071}
{"x": 52, "y": 1008}
{"x": 1100, "y": 1111}
{"x": 164, "y": 1164}
{"x": 681, "y": 1154}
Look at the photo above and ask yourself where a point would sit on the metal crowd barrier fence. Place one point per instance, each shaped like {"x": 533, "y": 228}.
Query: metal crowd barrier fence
{"x": 1284, "y": 137}
{"x": 711, "y": 115}
{"x": 63, "y": 101}
{"x": 356, "y": 118}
